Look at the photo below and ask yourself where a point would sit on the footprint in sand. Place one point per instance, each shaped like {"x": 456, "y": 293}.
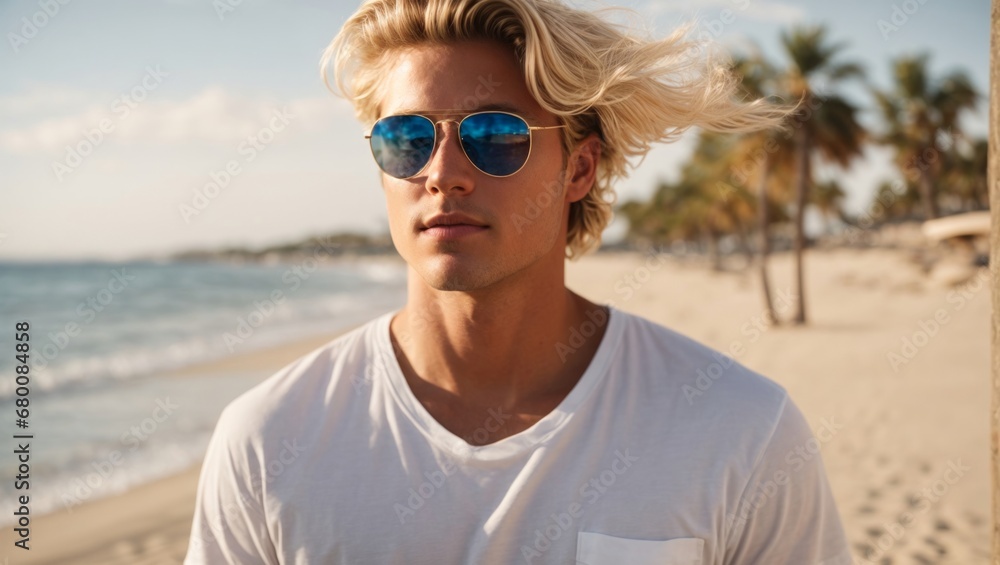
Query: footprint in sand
{"x": 938, "y": 548}
{"x": 126, "y": 548}
{"x": 868, "y": 552}
{"x": 974, "y": 520}
{"x": 874, "y": 532}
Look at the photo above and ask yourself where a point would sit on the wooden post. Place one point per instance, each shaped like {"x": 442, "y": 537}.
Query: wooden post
{"x": 994, "y": 184}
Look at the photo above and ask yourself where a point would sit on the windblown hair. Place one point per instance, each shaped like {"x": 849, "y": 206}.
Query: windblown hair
{"x": 595, "y": 75}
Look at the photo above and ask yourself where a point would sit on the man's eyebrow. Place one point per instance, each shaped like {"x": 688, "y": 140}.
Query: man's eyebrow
{"x": 499, "y": 107}
{"x": 502, "y": 108}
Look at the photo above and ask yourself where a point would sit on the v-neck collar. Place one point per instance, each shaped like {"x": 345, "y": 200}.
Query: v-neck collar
{"x": 511, "y": 446}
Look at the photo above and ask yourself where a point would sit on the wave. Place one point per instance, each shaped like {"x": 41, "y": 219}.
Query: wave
{"x": 111, "y": 360}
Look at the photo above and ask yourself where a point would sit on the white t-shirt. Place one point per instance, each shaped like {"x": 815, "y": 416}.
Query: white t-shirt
{"x": 664, "y": 452}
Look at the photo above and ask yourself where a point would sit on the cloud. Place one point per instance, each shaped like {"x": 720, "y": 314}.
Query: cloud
{"x": 760, "y": 10}
{"x": 776, "y": 12}
{"x": 40, "y": 98}
{"x": 214, "y": 115}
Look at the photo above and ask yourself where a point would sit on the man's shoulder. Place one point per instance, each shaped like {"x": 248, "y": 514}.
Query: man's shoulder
{"x": 686, "y": 360}
{"x": 344, "y": 361}
{"x": 699, "y": 378}
{"x": 705, "y": 397}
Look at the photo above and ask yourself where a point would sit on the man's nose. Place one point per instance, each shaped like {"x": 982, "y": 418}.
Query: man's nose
{"x": 449, "y": 168}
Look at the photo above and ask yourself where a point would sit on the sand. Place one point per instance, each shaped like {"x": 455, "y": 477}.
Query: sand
{"x": 909, "y": 464}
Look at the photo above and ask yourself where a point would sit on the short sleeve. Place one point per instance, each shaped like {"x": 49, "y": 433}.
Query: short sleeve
{"x": 229, "y": 523}
{"x": 786, "y": 514}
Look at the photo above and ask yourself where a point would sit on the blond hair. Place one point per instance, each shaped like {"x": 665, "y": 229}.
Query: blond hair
{"x": 597, "y": 76}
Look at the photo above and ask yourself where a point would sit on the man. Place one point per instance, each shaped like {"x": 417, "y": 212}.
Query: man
{"x": 468, "y": 427}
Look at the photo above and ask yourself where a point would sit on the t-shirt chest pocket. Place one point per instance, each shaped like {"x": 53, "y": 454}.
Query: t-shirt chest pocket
{"x": 599, "y": 549}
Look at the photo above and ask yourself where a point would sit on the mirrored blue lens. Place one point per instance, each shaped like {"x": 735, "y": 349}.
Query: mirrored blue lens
{"x": 402, "y": 145}
{"x": 497, "y": 143}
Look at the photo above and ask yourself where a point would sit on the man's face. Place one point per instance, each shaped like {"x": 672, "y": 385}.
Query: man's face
{"x": 524, "y": 214}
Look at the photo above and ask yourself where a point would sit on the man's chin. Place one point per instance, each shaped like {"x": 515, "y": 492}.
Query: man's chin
{"x": 453, "y": 274}
{"x": 454, "y": 282}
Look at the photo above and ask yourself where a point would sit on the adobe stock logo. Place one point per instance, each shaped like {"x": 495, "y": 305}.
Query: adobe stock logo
{"x": 927, "y": 329}
{"x": 591, "y": 491}
{"x": 121, "y": 107}
{"x": 900, "y": 16}
{"x": 30, "y": 27}
{"x": 424, "y": 491}
{"x": 249, "y": 149}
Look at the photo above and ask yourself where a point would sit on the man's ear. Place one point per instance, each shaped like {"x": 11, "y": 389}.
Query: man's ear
{"x": 581, "y": 167}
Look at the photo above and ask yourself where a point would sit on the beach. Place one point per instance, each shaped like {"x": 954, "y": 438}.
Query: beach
{"x": 893, "y": 366}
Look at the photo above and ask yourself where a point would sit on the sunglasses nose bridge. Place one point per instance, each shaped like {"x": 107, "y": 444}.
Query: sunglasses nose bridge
{"x": 442, "y": 123}
{"x": 442, "y": 138}
{"x": 447, "y": 142}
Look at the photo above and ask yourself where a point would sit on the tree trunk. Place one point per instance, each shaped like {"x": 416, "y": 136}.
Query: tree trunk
{"x": 994, "y": 183}
{"x": 801, "y": 197}
{"x": 926, "y": 185}
{"x": 714, "y": 255}
{"x": 764, "y": 240}
{"x": 745, "y": 246}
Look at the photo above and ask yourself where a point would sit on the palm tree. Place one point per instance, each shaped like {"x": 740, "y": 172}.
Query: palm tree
{"x": 892, "y": 205}
{"x": 758, "y": 76}
{"x": 965, "y": 175}
{"x": 828, "y": 198}
{"x": 825, "y": 125}
{"x": 723, "y": 209}
{"x": 917, "y": 112}
{"x": 699, "y": 206}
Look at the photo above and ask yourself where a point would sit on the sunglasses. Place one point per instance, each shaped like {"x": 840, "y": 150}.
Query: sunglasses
{"x": 497, "y": 143}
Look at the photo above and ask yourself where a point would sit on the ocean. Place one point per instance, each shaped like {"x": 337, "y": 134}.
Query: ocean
{"x": 103, "y": 415}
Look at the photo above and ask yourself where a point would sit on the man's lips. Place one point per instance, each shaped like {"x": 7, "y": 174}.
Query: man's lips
{"x": 451, "y": 219}
{"x": 452, "y": 231}
{"x": 452, "y": 225}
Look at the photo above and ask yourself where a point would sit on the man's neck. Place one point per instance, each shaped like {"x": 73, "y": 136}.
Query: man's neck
{"x": 507, "y": 348}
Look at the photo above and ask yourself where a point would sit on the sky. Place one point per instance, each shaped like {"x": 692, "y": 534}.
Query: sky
{"x": 115, "y": 114}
